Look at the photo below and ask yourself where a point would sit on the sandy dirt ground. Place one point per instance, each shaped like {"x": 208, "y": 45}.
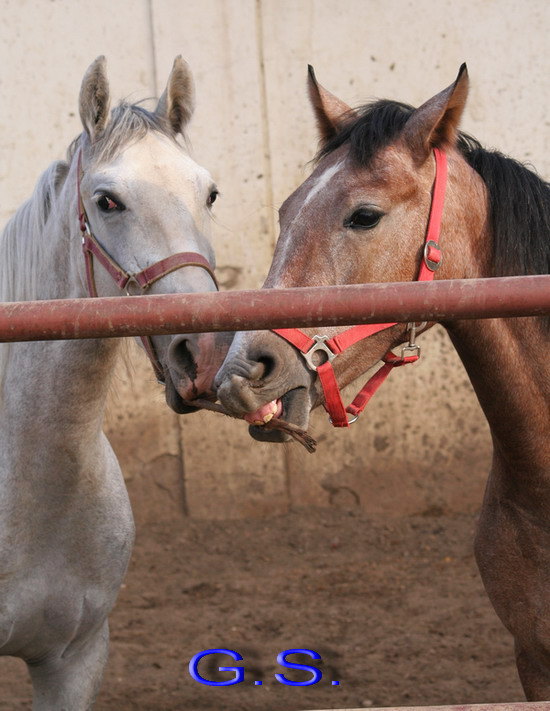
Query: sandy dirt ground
{"x": 395, "y": 608}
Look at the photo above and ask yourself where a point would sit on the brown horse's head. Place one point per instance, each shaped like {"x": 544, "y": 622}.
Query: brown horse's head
{"x": 360, "y": 217}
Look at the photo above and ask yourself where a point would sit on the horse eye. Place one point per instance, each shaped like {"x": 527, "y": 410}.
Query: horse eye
{"x": 212, "y": 197}
{"x": 363, "y": 219}
{"x": 107, "y": 204}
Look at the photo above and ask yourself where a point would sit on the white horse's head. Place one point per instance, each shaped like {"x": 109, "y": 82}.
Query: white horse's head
{"x": 145, "y": 199}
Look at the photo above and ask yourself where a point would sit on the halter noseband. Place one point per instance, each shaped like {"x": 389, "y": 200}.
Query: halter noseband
{"x": 329, "y": 348}
{"x": 141, "y": 280}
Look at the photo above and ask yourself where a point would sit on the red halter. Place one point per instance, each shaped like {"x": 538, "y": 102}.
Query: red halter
{"x": 331, "y": 347}
{"x": 123, "y": 279}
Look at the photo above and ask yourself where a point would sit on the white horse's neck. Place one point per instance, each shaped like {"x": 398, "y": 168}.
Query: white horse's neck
{"x": 55, "y": 390}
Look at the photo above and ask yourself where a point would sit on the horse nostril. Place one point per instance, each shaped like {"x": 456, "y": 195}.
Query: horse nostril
{"x": 182, "y": 356}
{"x": 261, "y": 368}
{"x": 268, "y": 365}
{"x": 252, "y": 363}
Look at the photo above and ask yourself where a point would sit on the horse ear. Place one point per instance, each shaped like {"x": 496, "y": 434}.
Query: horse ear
{"x": 435, "y": 123}
{"x": 177, "y": 103}
{"x": 95, "y": 100}
{"x": 330, "y": 112}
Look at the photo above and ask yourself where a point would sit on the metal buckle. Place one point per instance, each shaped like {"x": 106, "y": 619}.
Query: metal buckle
{"x": 432, "y": 266}
{"x": 319, "y": 345}
{"x": 87, "y": 230}
{"x": 412, "y": 349}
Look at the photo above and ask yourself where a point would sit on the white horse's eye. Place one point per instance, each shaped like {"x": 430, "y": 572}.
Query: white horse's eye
{"x": 107, "y": 204}
{"x": 212, "y": 197}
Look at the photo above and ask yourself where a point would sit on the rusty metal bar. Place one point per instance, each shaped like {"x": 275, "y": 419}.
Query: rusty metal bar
{"x": 284, "y": 308}
{"x": 511, "y": 706}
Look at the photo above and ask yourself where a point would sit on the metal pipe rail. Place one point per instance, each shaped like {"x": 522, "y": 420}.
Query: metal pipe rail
{"x": 282, "y": 308}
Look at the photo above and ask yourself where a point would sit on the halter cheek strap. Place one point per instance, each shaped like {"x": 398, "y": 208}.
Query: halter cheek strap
{"x": 323, "y": 349}
{"x": 124, "y": 280}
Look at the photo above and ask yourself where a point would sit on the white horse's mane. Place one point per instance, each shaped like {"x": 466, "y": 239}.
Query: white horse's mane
{"x": 21, "y": 244}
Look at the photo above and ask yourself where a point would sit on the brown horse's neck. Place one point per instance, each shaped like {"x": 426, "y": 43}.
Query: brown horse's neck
{"x": 508, "y": 367}
{"x": 505, "y": 358}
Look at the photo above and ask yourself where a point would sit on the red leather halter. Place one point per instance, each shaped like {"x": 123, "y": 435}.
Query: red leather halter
{"x": 331, "y": 347}
{"x": 123, "y": 279}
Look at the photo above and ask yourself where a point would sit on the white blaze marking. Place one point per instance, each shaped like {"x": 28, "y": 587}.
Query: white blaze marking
{"x": 322, "y": 181}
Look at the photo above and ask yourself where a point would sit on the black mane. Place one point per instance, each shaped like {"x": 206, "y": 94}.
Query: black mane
{"x": 519, "y": 201}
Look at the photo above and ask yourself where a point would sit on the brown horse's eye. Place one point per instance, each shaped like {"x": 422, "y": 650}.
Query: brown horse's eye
{"x": 212, "y": 197}
{"x": 107, "y": 204}
{"x": 363, "y": 219}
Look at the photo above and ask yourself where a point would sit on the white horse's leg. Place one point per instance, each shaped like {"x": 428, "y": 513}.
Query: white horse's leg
{"x": 70, "y": 681}
{"x": 513, "y": 554}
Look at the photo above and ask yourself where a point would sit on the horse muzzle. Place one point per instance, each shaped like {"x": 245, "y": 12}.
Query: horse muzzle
{"x": 264, "y": 376}
{"x": 192, "y": 362}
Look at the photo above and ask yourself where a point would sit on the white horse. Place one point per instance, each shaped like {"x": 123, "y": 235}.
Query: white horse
{"x": 66, "y": 527}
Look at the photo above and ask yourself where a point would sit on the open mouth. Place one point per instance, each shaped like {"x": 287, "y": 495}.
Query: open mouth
{"x": 265, "y": 413}
{"x": 292, "y": 407}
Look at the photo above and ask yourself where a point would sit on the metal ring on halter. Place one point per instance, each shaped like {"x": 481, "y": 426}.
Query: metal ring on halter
{"x": 354, "y": 418}
{"x": 319, "y": 345}
{"x": 132, "y": 280}
{"x": 418, "y": 327}
{"x": 431, "y": 263}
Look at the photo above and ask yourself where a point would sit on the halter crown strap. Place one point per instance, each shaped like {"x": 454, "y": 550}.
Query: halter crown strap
{"x": 331, "y": 347}
{"x": 144, "y": 279}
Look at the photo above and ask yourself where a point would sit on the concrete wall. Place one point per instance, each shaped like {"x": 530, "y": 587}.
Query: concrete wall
{"x": 423, "y": 441}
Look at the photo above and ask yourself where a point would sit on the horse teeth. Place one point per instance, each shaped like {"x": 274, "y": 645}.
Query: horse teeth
{"x": 263, "y": 414}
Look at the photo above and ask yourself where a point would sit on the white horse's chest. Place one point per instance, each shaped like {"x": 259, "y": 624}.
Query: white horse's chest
{"x": 66, "y": 533}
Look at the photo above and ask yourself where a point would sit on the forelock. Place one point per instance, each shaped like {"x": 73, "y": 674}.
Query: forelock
{"x": 128, "y": 123}
{"x": 368, "y": 130}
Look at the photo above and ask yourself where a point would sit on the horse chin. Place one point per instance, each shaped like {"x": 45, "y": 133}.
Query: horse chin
{"x": 175, "y": 401}
{"x": 296, "y": 408}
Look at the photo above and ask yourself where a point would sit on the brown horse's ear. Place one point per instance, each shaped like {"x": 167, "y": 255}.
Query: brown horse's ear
{"x": 435, "y": 123}
{"x": 95, "y": 100}
{"x": 330, "y": 112}
{"x": 177, "y": 102}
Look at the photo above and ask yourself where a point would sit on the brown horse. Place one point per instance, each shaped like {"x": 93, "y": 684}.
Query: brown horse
{"x": 361, "y": 217}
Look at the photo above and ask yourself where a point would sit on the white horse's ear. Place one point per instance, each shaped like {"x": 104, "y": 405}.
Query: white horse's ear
{"x": 330, "y": 111}
{"x": 95, "y": 101}
{"x": 177, "y": 103}
{"x": 435, "y": 123}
